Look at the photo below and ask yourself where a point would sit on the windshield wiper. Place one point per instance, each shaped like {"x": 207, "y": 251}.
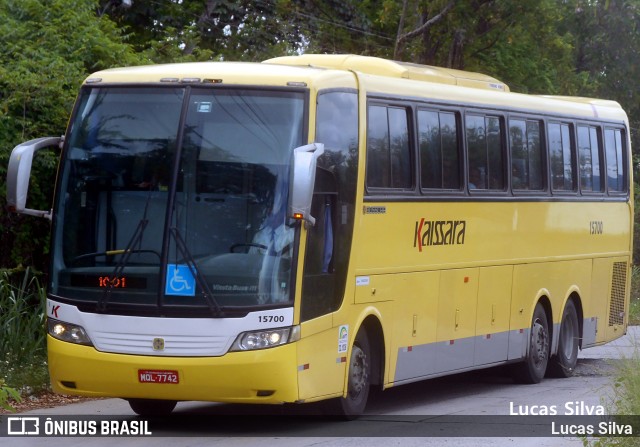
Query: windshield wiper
{"x": 112, "y": 253}
{"x": 136, "y": 238}
{"x": 122, "y": 263}
{"x": 181, "y": 245}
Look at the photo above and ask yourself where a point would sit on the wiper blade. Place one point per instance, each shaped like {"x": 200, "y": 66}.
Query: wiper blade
{"x": 112, "y": 253}
{"x": 136, "y": 238}
{"x": 181, "y": 245}
{"x": 117, "y": 271}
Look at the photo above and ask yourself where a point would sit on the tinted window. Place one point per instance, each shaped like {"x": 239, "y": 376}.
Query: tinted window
{"x": 388, "y": 150}
{"x": 589, "y": 158}
{"x": 119, "y": 242}
{"x": 561, "y": 157}
{"x": 486, "y": 158}
{"x": 333, "y": 205}
{"x": 439, "y": 150}
{"x": 526, "y": 155}
{"x": 615, "y": 165}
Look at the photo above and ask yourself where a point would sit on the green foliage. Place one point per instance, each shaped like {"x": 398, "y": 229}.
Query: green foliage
{"x": 626, "y": 402}
{"x": 341, "y": 26}
{"x": 636, "y": 227}
{"x": 48, "y": 48}
{"x": 634, "y": 311}
{"x": 607, "y": 47}
{"x": 6, "y": 394}
{"x": 22, "y": 330}
{"x": 626, "y": 384}
{"x": 22, "y": 317}
{"x": 171, "y": 31}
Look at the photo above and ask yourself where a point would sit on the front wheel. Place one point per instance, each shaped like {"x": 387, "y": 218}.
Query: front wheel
{"x": 359, "y": 381}
{"x": 563, "y": 364}
{"x": 534, "y": 366}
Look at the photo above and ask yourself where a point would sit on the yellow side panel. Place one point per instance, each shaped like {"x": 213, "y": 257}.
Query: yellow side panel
{"x": 552, "y": 279}
{"x": 412, "y": 237}
{"x": 457, "y": 304}
{"x": 377, "y": 288}
{"x": 598, "y": 306}
{"x": 415, "y": 309}
{"x": 321, "y": 367}
{"x": 493, "y": 315}
{"x": 494, "y": 300}
{"x": 415, "y": 315}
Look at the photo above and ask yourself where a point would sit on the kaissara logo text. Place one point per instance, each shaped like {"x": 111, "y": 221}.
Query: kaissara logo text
{"x": 439, "y": 232}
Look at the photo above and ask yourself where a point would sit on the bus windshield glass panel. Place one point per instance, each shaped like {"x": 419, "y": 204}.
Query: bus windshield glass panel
{"x": 177, "y": 198}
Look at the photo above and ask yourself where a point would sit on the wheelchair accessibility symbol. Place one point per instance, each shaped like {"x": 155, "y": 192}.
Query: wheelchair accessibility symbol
{"x": 180, "y": 281}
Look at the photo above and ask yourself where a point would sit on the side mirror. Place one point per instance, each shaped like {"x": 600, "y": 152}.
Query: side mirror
{"x": 305, "y": 160}
{"x": 19, "y": 172}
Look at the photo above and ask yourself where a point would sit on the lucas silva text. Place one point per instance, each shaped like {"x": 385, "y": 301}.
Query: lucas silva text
{"x": 576, "y": 408}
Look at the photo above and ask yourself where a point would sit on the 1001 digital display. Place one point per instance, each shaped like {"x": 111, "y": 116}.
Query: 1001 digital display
{"x": 108, "y": 281}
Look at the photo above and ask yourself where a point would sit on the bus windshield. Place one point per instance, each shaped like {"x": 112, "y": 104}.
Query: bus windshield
{"x": 176, "y": 198}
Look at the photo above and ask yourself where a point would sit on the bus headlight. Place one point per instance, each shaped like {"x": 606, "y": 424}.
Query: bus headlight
{"x": 248, "y": 341}
{"x": 68, "y": 332}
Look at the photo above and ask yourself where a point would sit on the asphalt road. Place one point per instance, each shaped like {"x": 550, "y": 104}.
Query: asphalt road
{"x": 471, "y": 409}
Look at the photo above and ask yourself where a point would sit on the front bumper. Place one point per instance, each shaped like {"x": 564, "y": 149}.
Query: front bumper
{"x": 261, "y": 376}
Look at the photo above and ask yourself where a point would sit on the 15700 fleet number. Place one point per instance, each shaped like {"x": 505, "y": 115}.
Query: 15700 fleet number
{"x": 270, "y": 318}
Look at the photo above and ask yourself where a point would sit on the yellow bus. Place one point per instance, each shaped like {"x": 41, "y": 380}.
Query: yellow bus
{"x": 311, "y": 226}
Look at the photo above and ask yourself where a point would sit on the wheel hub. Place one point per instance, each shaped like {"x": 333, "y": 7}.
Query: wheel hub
{"x": 539, "y": 342}
{"x": 358, "y": 371}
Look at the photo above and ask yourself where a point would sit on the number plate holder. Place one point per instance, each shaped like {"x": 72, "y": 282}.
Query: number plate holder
{"x": 158, "y": 376}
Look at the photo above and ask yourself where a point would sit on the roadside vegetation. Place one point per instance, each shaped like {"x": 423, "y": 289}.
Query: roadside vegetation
{"x": 626, "y": 385}
{"x": 23, "y": 367}
{"x": 634, "y": 307}
{"x": 626, "y": 401}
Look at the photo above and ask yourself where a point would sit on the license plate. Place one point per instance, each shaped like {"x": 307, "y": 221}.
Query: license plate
{"x": 158, "y": 376}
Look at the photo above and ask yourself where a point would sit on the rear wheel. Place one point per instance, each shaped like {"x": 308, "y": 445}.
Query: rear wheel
{"x": 359, "y": 381}
{"x": 533, "y": 368}
{"x": 152, "y": 407}
{"x": 563, "y": 364}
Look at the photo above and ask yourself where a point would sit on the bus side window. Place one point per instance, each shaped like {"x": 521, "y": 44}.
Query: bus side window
{"x": 526, "y": 155}
{"x": 561, "y": 156}
{"x": 388, "y": 148}
{"x": 486, "y": 157}
{"x": 329, "y": 240}
{"x": 590, "y": 159}
{"x": 615, "y": 164}
{"x": 439, "y": 150}
{"x": 319, "y": 283}
{"x": 320, "y": 238}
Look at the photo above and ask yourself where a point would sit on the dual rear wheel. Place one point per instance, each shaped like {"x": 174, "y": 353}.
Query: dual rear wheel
{"x": 563, "y": 364}
{"x": 538, "y": 362}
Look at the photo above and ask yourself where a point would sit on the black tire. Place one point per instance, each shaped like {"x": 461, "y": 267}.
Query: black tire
{"x": 563, "y": 364}
{"x": 359, "y": 381}
{"x": 534, "y": 366}
{"x": 152, "y": 407}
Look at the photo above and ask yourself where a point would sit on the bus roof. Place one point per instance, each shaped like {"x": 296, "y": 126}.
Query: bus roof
{"x": 321, "y": 71}
{"x": 385, "y": 76}
{"x": 223, "y": 73}
{"x": 384, "y": 67}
